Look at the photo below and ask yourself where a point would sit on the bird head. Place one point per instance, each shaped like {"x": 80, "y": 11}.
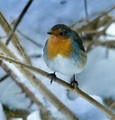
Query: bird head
{"x": 66, "y": 33}
{"x": 60, "y": 30}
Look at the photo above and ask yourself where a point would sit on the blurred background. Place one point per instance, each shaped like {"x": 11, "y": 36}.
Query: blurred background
{"x": 31, "y": 20}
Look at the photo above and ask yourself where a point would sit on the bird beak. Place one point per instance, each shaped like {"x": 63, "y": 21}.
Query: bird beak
{"x": 53, "y": 32}
{"x": 49, "y": 33}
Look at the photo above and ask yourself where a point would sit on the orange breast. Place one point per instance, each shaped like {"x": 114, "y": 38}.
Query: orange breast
{"x": 58, "y": 45}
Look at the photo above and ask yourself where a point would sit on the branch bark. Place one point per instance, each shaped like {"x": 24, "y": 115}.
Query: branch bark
{"x": 24, "y": 88}
{"x": 39, "y": 85}
{"x": 76, "y": 89}
{"x": 19, "y": 19}
{"x": 15, "y": 39}
{"x": 108, "y": 44}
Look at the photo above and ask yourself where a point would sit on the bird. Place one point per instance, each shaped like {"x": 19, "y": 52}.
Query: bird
{"x": 64, "y": 51}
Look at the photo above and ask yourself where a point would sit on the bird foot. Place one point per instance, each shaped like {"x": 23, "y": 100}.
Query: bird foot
{"x": 52, "y": 76}
{"x": 74, "y": 83}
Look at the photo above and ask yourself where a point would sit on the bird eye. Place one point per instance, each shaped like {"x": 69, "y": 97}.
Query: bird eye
{"x": 61, "y": 33}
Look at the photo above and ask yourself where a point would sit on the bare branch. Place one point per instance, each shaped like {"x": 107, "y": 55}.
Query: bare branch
{"x": 39, "y": 85}
{"x": 32, "y": 41}
{"x": 19, "y": 19}
{"x": 86, "y": 10}
{"x": 4, "y": 77}
{"x": 94, "y": 22}
{"x": 24, "y": 88}
{"x": 63, "y": 83}
{"x": 8, "y": 30}
{"x": 108, "y": 44}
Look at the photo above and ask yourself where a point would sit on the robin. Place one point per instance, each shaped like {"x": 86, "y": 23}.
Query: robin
{"x": 64, "y": 51}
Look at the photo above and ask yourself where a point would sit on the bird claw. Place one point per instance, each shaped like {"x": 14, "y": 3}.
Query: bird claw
{"x": 74, "y": 83}
{"x": 52, "y": 76}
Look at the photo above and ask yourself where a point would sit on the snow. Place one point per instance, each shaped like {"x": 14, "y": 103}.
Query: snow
{"x": 99, "y": 73}
{"x": 14, "y": 98}
{"x": 111, "y": 29}
{"x": 34, "y": 116}
{"x": 16, "y": 119}
{"x": 85, "y": 111}
{"x": 97, "y": 79}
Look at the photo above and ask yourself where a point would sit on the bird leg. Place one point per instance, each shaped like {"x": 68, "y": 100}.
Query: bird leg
{"x": 74, "y": 83}
{"x": 53, "y": 76}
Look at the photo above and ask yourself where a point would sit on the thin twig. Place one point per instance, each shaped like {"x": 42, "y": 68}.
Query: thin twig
{"x": 63, "y": 83}
{"x": 96, "y": 32}
{"x": 32, "y": 41}
{"x": 40, "y": 86}
{"x": 86, "y": 10}
{"x": 90, "y": 24}
{"x": 8, "y": 30}
{"x": 19, "y": 19}
{"x": 108, "y": 44}
{"x": 24, "y": 88}
{"x": 4, "y": 77}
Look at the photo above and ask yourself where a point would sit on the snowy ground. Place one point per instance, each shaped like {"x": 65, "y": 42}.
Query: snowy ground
{"x": 98, "y": 77}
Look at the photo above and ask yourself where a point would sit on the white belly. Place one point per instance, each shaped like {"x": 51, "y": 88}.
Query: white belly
{"x": 64, "y": 65}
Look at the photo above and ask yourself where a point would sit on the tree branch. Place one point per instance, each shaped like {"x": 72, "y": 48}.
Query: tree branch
{"x": 4, "y": 77}
{"x": 19, "y": 19}
{"x": 76, "y": 90}
{"x": 24, "y": 88}
{"x": 9, "y": 30}
{"x": 39, "y": 85}
{"x": 29, "y": 39}
{"x": 108, "y": 44}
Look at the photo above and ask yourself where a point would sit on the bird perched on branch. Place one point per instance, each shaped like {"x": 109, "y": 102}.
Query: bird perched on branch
{"x": 64, "y": 51}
